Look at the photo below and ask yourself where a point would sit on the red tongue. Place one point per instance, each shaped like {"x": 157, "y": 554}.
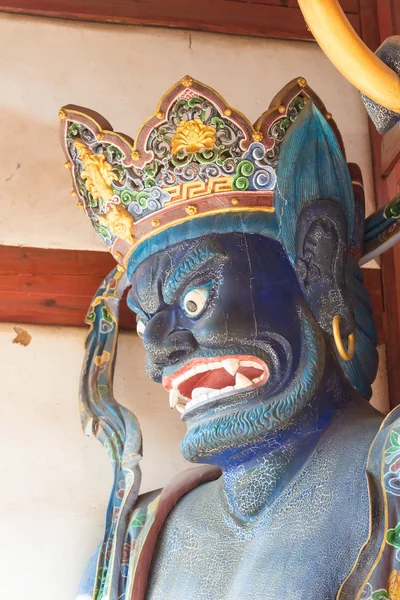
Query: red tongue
{"x": 215, "y": 379}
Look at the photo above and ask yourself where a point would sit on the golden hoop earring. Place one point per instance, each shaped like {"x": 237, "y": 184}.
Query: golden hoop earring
{"x": 351, "y": 346}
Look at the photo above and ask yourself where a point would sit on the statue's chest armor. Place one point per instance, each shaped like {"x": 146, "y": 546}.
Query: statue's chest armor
{"x": 302, "y": 550}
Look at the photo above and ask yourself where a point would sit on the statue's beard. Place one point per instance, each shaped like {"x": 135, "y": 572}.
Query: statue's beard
{"x": 244, "y": 426}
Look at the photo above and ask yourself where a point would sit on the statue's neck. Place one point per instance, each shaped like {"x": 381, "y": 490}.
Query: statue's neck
{"x": 256, "y": 476}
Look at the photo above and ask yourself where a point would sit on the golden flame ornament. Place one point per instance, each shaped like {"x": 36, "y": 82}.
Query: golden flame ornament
{"x": 120, "y": 222}
{"x": 193, "y": 136}
{"x": 97, "y": 173}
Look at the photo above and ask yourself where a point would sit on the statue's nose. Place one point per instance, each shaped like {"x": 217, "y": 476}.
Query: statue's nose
{"x": 165, "y": 345}
{"x": 178, "y": 345}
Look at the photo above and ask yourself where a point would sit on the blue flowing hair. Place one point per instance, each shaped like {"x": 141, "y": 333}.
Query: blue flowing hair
{"x": 312, "y": 166}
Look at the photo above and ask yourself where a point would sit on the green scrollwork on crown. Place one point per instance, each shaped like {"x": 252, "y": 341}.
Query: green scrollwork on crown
{"x": 255, "y": 171}
{"x": 241, "y": 181}
{"x": 278, "y": 129}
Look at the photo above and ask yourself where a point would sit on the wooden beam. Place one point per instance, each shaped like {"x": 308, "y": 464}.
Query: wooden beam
{"x": 390, "y": 153}
{"x": 55, "y": 287}
{"x": 265, "y": 18}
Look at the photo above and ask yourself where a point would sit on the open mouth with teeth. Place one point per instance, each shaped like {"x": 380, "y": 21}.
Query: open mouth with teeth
{"x": 201, "y": 380}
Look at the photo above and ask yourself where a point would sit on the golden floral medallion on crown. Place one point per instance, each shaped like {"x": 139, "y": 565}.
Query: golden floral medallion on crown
{"x": 193, "y": 136}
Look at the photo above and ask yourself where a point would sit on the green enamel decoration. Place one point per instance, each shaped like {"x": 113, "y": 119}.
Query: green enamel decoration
{"x": 244, "y": 170}
{"x": 118, "y": 153}
{"x": 149, "y": 182}
{"x": 138, "y": 520}
{"x": 380, "y": 595}
{"x": 103, "y": 231}
{"x": 218, "y": 122}
{"x": 73, "y": 129}
{"x": 394, "y": 438}
{"x": 284, "y": 124}
{"x": 206, "y": 156}
{"x": 181, "y": 159}
{"x": 126, "y": 196}
{"x": 90, "y": 200}
{"x": 393, "y": 536}
{"x": 392, "y": 210}
{"x": 298, "y": 103}
{"x": 192, "y": 102}
{"x": 141, "y": 198}
{"x": 105, "y": 314}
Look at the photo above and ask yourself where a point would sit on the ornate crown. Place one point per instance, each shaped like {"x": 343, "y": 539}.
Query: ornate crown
{"x": 194, "y": 157}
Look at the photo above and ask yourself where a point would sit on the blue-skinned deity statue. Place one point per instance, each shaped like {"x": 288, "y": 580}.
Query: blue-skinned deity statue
{"x": 239, "y": 246}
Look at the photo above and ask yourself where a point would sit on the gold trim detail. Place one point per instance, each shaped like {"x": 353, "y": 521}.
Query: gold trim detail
{"x": 351, "y": 346}
{"x": 187, "y": 81}
{"x": 302, "y": 82}
{"x": 209, "y": 213}
{"x": 135, "y": 155}
{"x": 191, "y": 210}
{"x": 197, "y": 189}
{"x": 155, "y": 223}
{"x": 235, "y": 201}
{"x": 257, "y": 136}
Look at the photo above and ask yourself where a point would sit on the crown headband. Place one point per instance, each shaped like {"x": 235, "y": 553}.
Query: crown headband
{"x": 194, "y": 157}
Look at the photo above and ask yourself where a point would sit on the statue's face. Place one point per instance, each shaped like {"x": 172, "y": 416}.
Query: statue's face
{"x": 228, "y": 334}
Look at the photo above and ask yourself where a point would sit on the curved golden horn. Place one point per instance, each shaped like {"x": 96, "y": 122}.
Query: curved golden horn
{"x": 348, "y": 53}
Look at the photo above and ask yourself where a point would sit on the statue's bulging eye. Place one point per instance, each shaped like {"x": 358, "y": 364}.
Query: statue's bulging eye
{"x": 140, "y": 327}
{"x": 194, "y": 301}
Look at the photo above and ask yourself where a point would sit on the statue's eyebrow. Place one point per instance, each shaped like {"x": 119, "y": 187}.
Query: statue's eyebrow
{"x": 135, "y": 307}
{"x": 202, "y": 254}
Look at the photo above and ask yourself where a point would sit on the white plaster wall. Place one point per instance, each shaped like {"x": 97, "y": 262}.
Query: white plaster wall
{"x": 54, "y": 482}
{"x": 122, "y": 72}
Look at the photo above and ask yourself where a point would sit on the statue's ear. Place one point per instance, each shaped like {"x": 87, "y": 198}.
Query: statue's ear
{"x": 321, "y": 255}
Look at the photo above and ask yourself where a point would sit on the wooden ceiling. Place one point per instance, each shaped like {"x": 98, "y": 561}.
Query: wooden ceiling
{"x": 267, "y": 18}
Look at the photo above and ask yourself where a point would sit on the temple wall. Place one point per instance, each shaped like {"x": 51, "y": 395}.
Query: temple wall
{"x": 54, "y": 482}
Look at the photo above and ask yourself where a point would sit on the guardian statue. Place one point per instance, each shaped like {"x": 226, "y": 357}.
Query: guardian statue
{"x": 240, "y": 246}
